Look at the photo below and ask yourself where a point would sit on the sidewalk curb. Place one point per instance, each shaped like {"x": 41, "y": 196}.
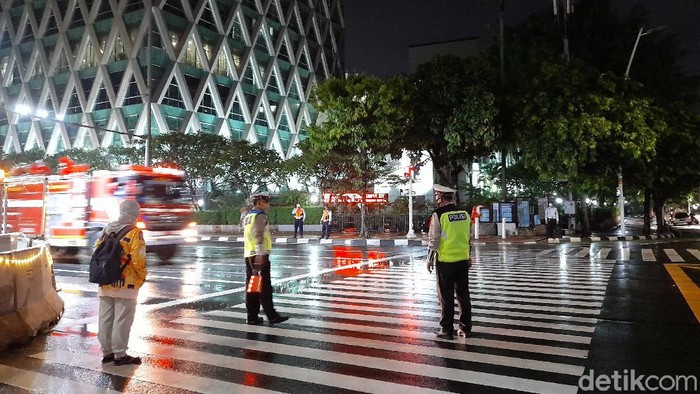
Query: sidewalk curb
{"x": 613, "y": 238}
{"x": 233, "y": 239}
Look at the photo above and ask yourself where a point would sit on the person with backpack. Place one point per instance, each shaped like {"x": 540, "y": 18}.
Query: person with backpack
{"x": 118, "y": 298}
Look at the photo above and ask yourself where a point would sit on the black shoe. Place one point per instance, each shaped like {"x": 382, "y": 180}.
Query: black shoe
{"x": 127, "y": 360}
{"x": 444, "y": 335}
{"x": 108, "y": 359}
{"x": 278, "y": 319}
{"x": 255, "y": 322}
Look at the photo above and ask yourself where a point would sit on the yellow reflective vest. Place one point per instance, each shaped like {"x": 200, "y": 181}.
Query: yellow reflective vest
{"x": 454, "y": 240}
{"x": 249, "y": 234}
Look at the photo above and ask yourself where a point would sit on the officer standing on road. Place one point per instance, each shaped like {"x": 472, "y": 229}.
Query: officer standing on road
{"x": 257, "y": 246}
{"x": 326, "y": 218}
{"x": 448, "y": 242}
{"x": 552, "y": 216}
{"x": 299, "y": 216}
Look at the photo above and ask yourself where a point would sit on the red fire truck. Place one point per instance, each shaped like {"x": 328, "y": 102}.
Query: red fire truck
{"x": 70, "y": 210}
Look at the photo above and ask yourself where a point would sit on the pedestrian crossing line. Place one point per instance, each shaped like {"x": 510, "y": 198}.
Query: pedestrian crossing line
{"x": 153, "y": 278}
{"x": 494, "y": 307}
{"x": 571, "y": 338}
{"x": 648, "y": 255}
{"x": 520, "y": 269}
{"x": 420, "y": 335}
{"x": 493, "y": 301}
{"x": 338, "y": 380}
{"x": 695, "y": 253}
{"x": 603, "y": 253}
{"x": 146, "y": 373}
{"x": 673, "y": 256}
{"x": 527, "y": 322}
{"x": 432, "y": 286}
{"x": 475, "y": 296}
{"x": 583, "y": 252}
{"x": 329, "y": 379}
{"x": 625, "y": 254}
{"x": 535, "y": 279}
{"x": 584, "y": 270}
{"x": 471, "y": 356}
{"x": 502, "y": 283}
{"x": 30, "y": 380}
{"x": 536, "y": 274}
{"x": 475, "y": 291}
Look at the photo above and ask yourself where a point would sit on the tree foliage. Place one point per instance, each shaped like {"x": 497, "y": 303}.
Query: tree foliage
{"x": 452, "y": 115}
{"x": 361, "y": 120}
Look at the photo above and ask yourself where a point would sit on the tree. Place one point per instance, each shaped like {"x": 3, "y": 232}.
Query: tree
{"x": 579, "y": 126}
{"x": 200, "y": 155}
{"x": 453, "y": 115}
{"x": 249, "y": 168}
{"x": 362, "y": 118}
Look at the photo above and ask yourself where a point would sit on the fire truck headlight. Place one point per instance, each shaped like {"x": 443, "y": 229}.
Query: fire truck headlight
{"x": 141, "y": 225}
{"x": 192, "y": 224}
{"x": 190, "y": 234}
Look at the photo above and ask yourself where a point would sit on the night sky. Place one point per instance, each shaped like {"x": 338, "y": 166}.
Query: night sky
{"x": 379, "y": 32}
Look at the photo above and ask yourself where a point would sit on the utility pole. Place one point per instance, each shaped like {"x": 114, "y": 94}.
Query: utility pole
{"x": 149, "y": 45}
{"x": 621, "y": 200}
{"x": 562, "y": 9}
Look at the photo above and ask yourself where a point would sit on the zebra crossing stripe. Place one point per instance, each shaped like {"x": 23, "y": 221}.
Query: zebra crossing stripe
{"x": 147, "y": 373}
{"x": 30, "y": 380}
{"x": 534, "y": 279}
{"x": 566, "y": 369}
{"x": 481, "y": 319}
{"x": 477, "y": 291}
{"x": 493, "y": 307}
{"x": 414, "y": 334}
{"x": 334, "y": 379}
{"x": 526, "y": 300}
{"x": 582, "y": 253}
{"x": 695, "y": 253}
{"x": 504, "y": 282}
{"x": 648, "y": 255}
{"x": 603, "y": 253}
{"x": 625, "y": 254}
{"x": 481, "y": 285}
{"x": 423, "y": 323}
{"x": 673, "y": 256}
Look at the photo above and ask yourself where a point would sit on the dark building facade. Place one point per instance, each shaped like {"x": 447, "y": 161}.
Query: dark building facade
{"x": 75, "y": 73}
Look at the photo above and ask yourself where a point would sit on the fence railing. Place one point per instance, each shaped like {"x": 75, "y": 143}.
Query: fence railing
{"x": 381, "y": 223}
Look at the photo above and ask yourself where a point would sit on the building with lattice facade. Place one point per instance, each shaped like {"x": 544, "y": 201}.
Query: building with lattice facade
{"x": 74, "y": 73}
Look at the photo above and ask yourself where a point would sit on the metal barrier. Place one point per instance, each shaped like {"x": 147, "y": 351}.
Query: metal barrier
{"x": 380, "y": 223}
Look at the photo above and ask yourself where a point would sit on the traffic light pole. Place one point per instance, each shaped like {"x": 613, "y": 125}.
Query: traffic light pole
{"x": 411, "y": 233}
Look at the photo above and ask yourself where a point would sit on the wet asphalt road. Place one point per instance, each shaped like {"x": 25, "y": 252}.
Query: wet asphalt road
{"x": 544, "y": 316}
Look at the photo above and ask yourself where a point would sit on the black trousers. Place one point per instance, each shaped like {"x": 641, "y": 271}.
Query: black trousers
{"x": 551, "y": 227}
{"x": 299, "y": 225}
{"x": 325, "y": 230}
{"x": 453, "y": 279}
{"x": 253, "y": 300}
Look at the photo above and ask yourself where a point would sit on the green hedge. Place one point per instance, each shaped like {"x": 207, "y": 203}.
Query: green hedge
{"x": 277, "y": 215}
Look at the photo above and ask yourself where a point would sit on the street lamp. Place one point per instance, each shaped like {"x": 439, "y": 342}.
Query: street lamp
{"x": 641, "y": 33}
{"x": 621, "y": 201}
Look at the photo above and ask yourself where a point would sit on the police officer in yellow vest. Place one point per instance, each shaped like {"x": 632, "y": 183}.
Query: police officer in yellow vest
{"x": 257, "y": 247}
{"x": 448, "y": 241}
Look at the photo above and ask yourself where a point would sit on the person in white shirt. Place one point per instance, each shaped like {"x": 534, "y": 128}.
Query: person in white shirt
{"x": 551, "y": 215}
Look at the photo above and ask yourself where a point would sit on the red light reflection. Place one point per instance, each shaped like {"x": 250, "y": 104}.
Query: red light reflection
{"x": 346, "y": 255}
